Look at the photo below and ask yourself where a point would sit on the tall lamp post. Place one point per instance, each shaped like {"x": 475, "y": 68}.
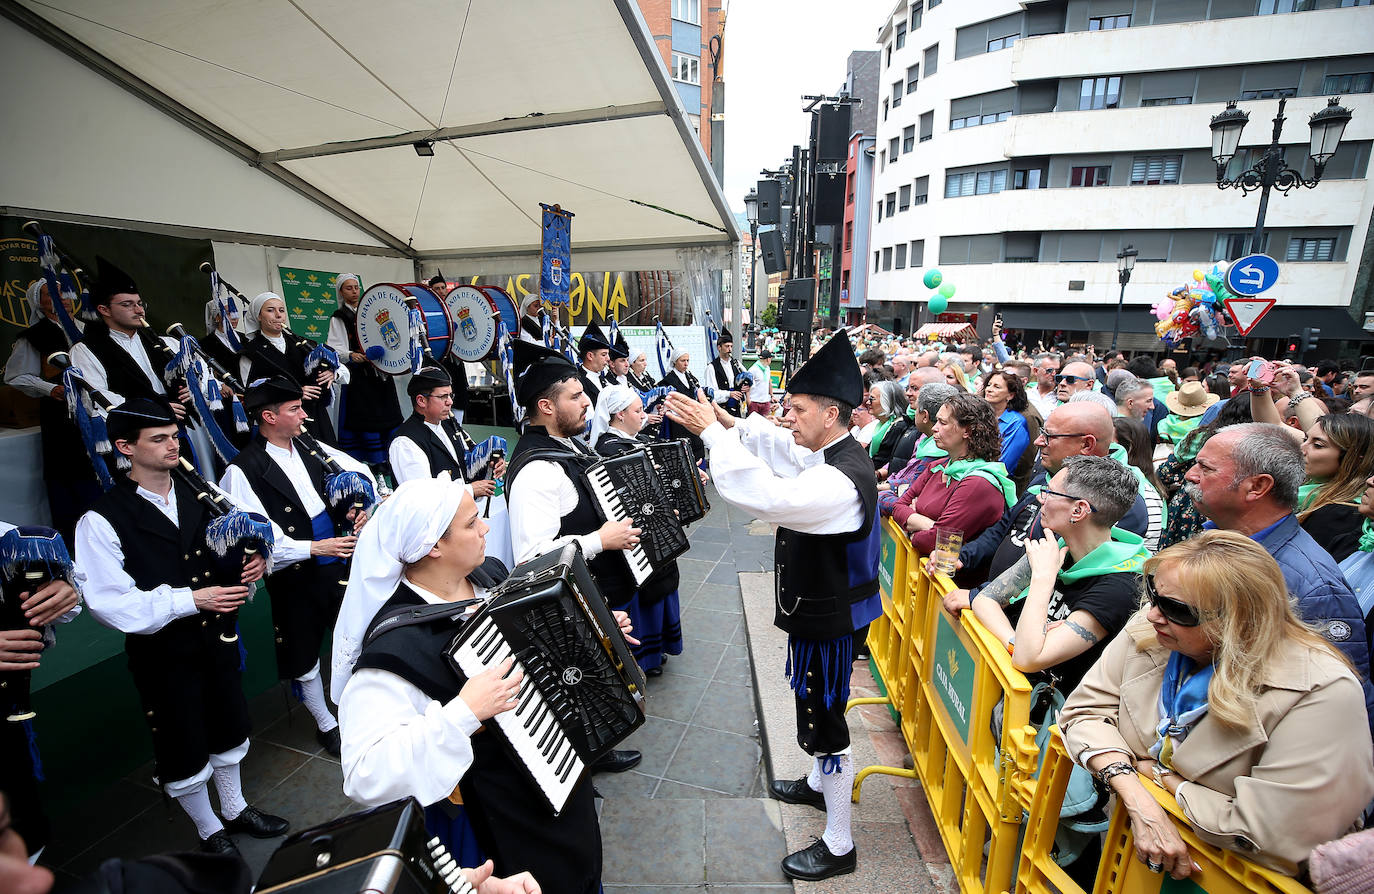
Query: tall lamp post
{"x": 1125, "y": 263}
{"x": 751, "y": 211}
{"x": 1272, "y": 170}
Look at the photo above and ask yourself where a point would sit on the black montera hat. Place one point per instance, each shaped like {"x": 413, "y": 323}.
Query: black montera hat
{"x": 593, "y": 339}
{"x": 265, "y": 392}
{"x": 110, "y": 281}
{"x": 537, "y": 369}
{"x": 833, "y": 371}
{"x": 131, "y": 417}
{"x": 427, "y": 379}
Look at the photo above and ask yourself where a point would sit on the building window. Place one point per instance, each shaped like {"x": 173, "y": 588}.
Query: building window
{"x": 931, "y": 4}
{"x": 901, "y": 35}
{"x": 686, "y": 68}
{"x": 916, "y": 11}
{"x": 1167, "y": 101}
{"x": 1349, "y": 83}
{"x": 848, "y": 235}
{"x": 1231, "y": 246}
{"x": 1098, "y": 175}
{"x": 1322, "y": 249}
{"x": 896, "y": 93}
{"x": 1028, "y": 178}
{"x": 932, "y": 59}
{"x": 892, "y": 149}
{"x": 974, "y": 183}
{"x": 1002, "y": 43}
{"x": 1100, "y": 93}
{"x": 1269, "y": 7}
{"x": 908, "y": 138}
{"x": 687, "y": 11}
{"x": 887, "y": 258}
{"x": 891, "y": 200}
{"x": 900, "y": 260}
{"x": 887, "y": 59}
{"x": 904, "y": 198}
{"x": 884, "y": 110}
{"x": 927, "y": 125}
{"x": 1152, "y": 170}
{"x": 880, "y": 212}
{"x": 695, "y": 121}
{"x": 1108, "y": 23}
{"x": 1270, "y": 93}
{"x": 922, "y": 190}
{"x": 877, "y": 260}
{"x": 913, "y": 73}
{"x": 917, "y": 255}
{"x": 975, "y": 120}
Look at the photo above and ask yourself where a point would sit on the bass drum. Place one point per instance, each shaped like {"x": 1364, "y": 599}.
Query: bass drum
{"x": 439, "y": 324}
{"x": 383, "y": 327}
{"x": 510, "y": 314}
{"x": 474, "y": 324}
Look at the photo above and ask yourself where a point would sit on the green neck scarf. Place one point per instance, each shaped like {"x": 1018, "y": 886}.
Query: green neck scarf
{"x": 994, "y": 472}
{"x": 926, "y": 448}
{"x": 1307, "y": 493}
{"x": 1367, "y": 537}
{"x": 878, "y": 434}
{"x": 1124, "y": 553}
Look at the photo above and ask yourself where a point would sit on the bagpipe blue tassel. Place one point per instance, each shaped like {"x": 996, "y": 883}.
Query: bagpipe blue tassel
{"x": 297, "y": 690}
{"x": 240, "y": 417}
{"x": 836, "y": 657}
{"x": 342, "y": 487}
{"x": 37, "y": 760}
{"x": 243, "y": 650}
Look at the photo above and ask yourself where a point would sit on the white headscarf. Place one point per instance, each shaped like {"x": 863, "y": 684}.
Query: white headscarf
{"x": 677, "y": 352}
{"x": 338, "y": 286}
{"x": 32, "y": 296}
{"x": 611, "y": 400}
{"x": 635, "y": 354}
{"x": 403, "y": 531}
{"x": 250, "y": 320}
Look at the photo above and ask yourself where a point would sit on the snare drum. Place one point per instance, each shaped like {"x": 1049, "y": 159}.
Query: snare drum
{"x": 474, "y": 323}
{"x": 510, "y": 314}
{"x": 438, "y": 324}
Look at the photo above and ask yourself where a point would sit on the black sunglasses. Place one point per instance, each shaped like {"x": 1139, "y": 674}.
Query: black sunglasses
{"x": 1173, "y": 610}
{"x": 1070, "y": 379}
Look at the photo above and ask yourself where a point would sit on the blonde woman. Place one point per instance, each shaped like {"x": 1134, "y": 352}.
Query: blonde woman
{"x": 1217, "y": 692}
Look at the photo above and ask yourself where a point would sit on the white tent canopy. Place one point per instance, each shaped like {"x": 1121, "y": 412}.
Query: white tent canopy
{"x": 528, "y": 101}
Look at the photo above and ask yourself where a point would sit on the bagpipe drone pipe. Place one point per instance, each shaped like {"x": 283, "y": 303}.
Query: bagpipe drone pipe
{"x": 345, "y": 491}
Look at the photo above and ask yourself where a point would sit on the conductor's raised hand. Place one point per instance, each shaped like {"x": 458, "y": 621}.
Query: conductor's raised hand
{"x": 254, "y": 569}
{"x": 693, "y": 415}
{"x": 492, "y": 692}
{"x": 619, "y": 534}
{"x": 338, "y": 547}
{"x": 53, "y": 600}
{"x": 219, "y": 599}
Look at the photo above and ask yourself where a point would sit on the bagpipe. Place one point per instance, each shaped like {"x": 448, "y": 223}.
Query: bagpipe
{"x": 227, "y": 305}
{"x": 480, "y": 458}
{"x": 66, "y": 281}
{"x": 82, "y": 402}
{"x": 345, "y": 491}
{"x": 30, "y": 559}
{"x": 233, "y": 537}
{"x": 193, "y": 368}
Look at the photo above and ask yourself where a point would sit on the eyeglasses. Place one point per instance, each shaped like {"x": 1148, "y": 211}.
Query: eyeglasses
{"x": 1046, "y": 492}
{"x": 1051, "y": 435}
{"x": 1175, "y": 611}
{"x": 440, "y": 397}
{"x": 1070, "y": 379}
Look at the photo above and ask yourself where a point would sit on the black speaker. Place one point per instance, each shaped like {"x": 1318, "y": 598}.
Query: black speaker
{"x": 897, "y": 327}
{"x": 832, "y": 138}
{"x": 798, "y": 305}
{"x": 771, "y": 251}
{"x": 829, "y": 199}
{"x": 770, "y": 201}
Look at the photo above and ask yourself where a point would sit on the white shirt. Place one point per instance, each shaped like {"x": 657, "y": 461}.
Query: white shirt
{"x": 338, "y": 337}
{"x": 108, "y": 589}
{"x": 1044, "y": 403}
{"x": 761, "y": 391}
{"x": 409, "y": 461}
{"x": 546, "y": 495}
{"x": 397, "y": 741}
{"x": 288, "y": 550}
{"x": 93, "y": 371}
{"x": 758, "y": 467}
{"x": 24, "y": 369}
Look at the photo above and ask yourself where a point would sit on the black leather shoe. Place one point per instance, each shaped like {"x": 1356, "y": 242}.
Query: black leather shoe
{"x": 331, "y": 741}
{"x": 220, "y": 843}
{"x": 617, "y": 762}
{"x": 796, "y": 791}
{"x": 654, "y": 672}
{"x": 816, "y": 862}
{"x": 257, "y": 824}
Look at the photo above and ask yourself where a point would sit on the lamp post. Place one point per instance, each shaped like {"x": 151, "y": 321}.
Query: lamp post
{"x": 1125, "y": 263}
{"x": 1272, "y": 170}
{"x": 751, "y": 211}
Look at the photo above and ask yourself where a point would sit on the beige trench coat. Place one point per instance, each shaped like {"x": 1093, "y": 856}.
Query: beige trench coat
{"x": 1298, "y": 774}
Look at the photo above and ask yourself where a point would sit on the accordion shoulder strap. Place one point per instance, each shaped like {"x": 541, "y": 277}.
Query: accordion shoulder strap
{"x": 407, "y": 615}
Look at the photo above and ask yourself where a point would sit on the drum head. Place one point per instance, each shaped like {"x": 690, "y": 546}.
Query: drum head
{"x": 438, "y": 323}
{"x": 383, "y": 323}
{"x": 474, "y": 323}
{"x": 510, "y": 314}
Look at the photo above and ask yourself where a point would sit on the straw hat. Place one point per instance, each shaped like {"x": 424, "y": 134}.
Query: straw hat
{"x": 1190, "y": 400}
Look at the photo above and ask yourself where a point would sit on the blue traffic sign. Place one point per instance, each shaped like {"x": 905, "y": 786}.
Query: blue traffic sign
{"x": 1252, "y": 274}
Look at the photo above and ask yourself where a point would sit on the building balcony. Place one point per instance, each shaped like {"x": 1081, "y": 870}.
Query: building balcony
{"x": 1238, "y": 41}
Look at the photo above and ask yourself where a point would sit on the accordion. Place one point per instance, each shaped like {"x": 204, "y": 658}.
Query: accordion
{"x": 628, "y": 487}
{"x": 678, "y": 472}
{"x": 583, "y": 692}
{"x": 385, "y": 850}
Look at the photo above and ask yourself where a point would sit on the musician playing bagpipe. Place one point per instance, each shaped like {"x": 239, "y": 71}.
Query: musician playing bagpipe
{"x": 67, "y": 474}
{"x": 273, "y": 349}
{"x": 816, "y": 483}
{"x": 595, "y": 351}
{"x": 729, "y": 376}
{"x": 368, "y": 408}
{"x": 553, "y": 503}
{"x": 37, "y": 592}
{"x": 431, "y": 441}
{"x": 414, "y": 726}
{"x": 312, "y": 493}
{"x": 144, "y": 566}
{"x": 618, "y": 365}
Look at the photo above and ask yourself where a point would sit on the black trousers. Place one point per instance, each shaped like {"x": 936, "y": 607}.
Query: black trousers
{"x": 820, "y": 730}
{"x": 305, "y": 601}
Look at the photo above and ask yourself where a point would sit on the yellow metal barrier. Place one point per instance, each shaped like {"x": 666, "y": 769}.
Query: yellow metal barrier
{"x": 1120, "y": 872}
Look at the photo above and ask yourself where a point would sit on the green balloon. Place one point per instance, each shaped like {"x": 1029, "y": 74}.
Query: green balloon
{"x": 947, "y": 289}
{"x": 937, "y": 303}
{"x": 932, "y": 278}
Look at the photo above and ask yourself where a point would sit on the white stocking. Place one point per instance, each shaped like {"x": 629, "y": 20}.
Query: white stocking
{"x": 838, "y": 786}
{"x": 312, "y": 696}
{"x": 813, "y": 778}
{"x": 196, "y": 803}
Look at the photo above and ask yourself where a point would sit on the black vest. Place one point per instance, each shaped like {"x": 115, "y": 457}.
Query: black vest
{"x": 274, "y": 489}
{"x": 266, "y": 361}
{"x": 531, "y": 327}
{"x": 223, "y": 354}
{"x": 819, "y": 576}
{"x": 47, "y": 338}
{"x": 440, "y": 460}
{"x": 123, "y": 376}
{"x": 610, "y": 569}
{"x": 590, "y": 384}
{"x": 726, "y": 374}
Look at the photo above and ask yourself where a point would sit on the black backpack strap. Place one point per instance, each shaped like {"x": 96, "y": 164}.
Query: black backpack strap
{"x": 408, "y": 615}
{"x": 545, "y": 453}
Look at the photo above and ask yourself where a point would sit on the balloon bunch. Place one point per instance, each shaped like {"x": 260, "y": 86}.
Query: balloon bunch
{"x": 1195, "y": 308}
{"x": 939, "y": 302}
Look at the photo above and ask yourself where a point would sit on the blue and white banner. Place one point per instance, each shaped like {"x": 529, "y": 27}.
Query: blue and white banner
{"x": 555, "y": 263}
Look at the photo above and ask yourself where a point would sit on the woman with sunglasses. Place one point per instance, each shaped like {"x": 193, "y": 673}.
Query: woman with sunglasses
{"x": 1217, "y": 693}
{"x": 1338, "y": 452}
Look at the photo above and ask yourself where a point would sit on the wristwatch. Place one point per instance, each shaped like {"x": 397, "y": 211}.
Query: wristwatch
{"x": 1118, "y": 768}
{"x": 1159, "y": 772}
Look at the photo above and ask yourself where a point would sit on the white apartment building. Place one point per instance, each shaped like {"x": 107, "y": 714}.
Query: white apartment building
{"x": 1022, "y": 145}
